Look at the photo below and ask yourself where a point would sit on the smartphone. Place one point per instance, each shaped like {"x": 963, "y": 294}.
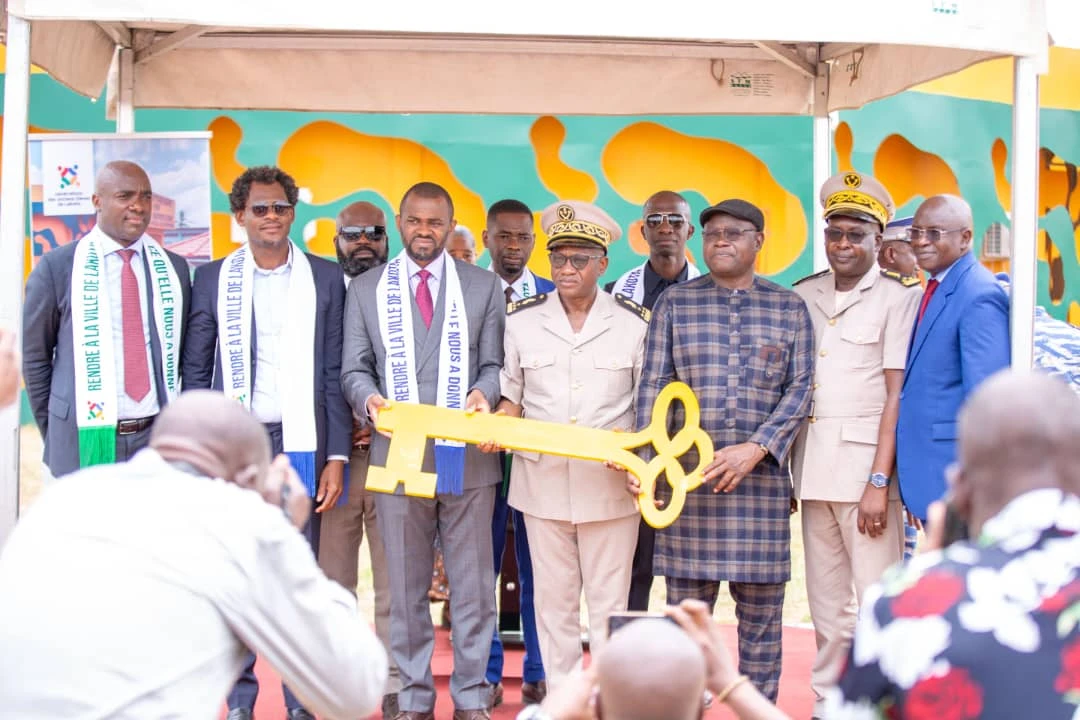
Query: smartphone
{"x": 621, "y": 619}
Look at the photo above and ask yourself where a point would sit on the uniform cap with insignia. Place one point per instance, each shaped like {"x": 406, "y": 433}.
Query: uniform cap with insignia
{"x": 576, "y": 222}
{"x": 854, "y": 195}
{"x": 898, "y": 229}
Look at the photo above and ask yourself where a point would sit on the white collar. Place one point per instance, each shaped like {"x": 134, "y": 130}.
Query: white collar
{"x": 435, "y": 267}
{"x": 280, "y": 269}
{"x": 110, "y": 246}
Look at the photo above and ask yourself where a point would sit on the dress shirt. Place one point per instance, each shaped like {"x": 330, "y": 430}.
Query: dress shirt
{"x": 518, "y": 287}
{"x": 656, "y": 284}
{"x": 128, "y": 408}
{"x": 436, "y": 268}
{"x": 940, "y": 277}
{"x": 270, "y": 303}
{"x": 177, "y": 575}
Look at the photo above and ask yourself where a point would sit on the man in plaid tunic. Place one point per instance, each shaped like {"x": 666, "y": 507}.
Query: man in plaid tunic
{"x": 745, "y": 346}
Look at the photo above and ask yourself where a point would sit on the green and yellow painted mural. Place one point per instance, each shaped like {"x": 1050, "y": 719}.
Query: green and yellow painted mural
{"x": 947, "y": 136}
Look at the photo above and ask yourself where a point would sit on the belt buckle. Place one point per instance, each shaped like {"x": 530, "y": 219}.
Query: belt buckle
{"x": 127, "y": 427}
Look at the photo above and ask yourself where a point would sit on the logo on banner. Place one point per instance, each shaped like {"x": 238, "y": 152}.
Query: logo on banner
{"x": 95, "y": 410}
{"x": 69, "y": 176}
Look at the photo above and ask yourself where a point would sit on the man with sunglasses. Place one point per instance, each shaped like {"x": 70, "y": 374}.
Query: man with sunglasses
{"x": 265, "y": 328}
{"x": 361, "y": 244}
{"x": 961, "y": 337}
{"x": 574, "y": 356}
{"x": 844, "y": 457}
{"x": 666, "y": 228}
{"x": 509, "y": 240}
{"x": 745, "y": 347}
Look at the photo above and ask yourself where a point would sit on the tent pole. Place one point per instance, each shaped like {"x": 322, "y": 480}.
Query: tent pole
{"x": 12, "y": 241}
{"x": 125, "y": 101}
{"x": 822, "y": 172}
{"x": 1025, "y": 193}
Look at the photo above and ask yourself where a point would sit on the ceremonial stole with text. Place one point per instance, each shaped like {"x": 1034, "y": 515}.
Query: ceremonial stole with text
{"x": 632, "y": 282}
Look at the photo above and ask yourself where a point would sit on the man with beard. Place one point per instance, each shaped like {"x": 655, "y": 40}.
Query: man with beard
{"x": 361, "y": 244}
{"x": 666, "y": 227}
{"x": 102, "y": 330}
{"x": 745, "y": 347}
{"x": 265, "y": 328}
{"x": 509, "y": 239}
{"x": 426, "y": 328}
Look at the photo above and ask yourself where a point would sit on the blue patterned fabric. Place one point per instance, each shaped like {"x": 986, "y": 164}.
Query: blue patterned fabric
{"x": 1057, "y": 344}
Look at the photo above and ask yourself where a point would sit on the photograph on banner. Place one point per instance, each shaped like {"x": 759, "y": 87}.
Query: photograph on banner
{"x": 62, "y": 172}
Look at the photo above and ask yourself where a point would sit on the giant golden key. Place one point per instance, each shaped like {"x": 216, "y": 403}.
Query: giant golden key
{"x": 411, "y": 424}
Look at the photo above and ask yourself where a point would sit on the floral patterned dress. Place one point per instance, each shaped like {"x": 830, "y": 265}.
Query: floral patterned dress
{"x": 989, "y": 629}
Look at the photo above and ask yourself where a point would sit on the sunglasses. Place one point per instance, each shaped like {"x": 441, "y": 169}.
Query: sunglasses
{"x": 655, "y": 220}
{"x": 580, "y": 261}
{"x": 855, "y": 237}
{"x": 261, "y": 209}
{"x": 732, "y": 235}
{"x": 353, "y": 233}
{"x": 932, "y": 234}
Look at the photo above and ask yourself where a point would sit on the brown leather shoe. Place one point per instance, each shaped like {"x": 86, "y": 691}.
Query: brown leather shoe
{"x": 496, "y": 698}
{"x": 533, "y": 694}
{"x": 476, "y": 714}
{"x": 415, "y": 715}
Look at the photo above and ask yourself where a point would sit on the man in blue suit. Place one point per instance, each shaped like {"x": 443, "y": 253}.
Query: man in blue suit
{"x": 509, "y": 238}
{"x": 261, "y": 319}
{"x": 961, "y": 337}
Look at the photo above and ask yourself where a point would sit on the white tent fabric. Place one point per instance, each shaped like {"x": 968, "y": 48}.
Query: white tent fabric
{"x": 561, "y": 56}
{"x": 485, "y": 56}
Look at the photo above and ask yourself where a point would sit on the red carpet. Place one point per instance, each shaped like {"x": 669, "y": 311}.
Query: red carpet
{"x": 795, "y": 696}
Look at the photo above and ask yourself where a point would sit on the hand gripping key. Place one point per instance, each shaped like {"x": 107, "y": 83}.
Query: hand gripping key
{"x": 412, "y": 424}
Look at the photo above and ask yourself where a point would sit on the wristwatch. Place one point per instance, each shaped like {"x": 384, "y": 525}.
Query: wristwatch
{"x": 533, "y": 712}
{"x": 879, "y": 480}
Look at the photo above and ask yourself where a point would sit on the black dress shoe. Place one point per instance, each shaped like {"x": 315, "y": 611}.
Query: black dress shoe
{"x": 390, "y": 707}
{"x": 299, "y": 714}
{"x": 240, "y": 714}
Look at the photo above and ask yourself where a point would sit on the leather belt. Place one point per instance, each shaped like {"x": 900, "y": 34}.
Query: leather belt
{"x": 130, "y": 427}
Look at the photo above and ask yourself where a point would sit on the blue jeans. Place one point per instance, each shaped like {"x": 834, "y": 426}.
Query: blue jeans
{"x": 532, "y": 665}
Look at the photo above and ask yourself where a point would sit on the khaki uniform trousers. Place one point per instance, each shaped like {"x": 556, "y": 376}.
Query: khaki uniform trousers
{"x": 841, "y": 563}
{"x": 567, "y": 558}
{"x": 342, "y": 532}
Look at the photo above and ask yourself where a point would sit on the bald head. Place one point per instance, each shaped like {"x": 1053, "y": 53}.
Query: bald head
{"x": 650, "y": 669}
{"x": 213, "y": 433}
{"x": 941, "y": 232}
{"x": 1019, "y": 431}
{"x": 123, "y": 201}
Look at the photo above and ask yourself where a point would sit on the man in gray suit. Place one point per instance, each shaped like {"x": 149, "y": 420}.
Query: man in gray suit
{"x": 131, "y": 300}
{"x": 453, "y": 308}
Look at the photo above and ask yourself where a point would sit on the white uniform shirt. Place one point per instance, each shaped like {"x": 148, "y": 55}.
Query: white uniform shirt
{"x": 133, "y": 591}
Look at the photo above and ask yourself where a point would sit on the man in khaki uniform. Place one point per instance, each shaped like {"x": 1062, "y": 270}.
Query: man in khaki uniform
{"x": 574, "y": 356}
{"x": 844, "y": 459}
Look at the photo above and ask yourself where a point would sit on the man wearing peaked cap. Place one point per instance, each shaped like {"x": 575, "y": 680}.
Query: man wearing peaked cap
{"x": 896, "y": 253}
{"x": 744, "y": 345}
{"x": 573, "y": 356}
{"x": 844, "y": 458}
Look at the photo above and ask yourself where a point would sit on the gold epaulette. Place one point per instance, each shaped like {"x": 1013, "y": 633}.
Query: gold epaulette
{"x": 905, "y": 280}
{"x": 513, "y": 307}
{"x": 640, "y": 310}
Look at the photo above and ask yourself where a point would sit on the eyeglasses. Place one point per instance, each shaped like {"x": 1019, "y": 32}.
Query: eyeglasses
{"x": 655, "y": 220}
{"x": 353, "y": 233}
{"x": 281, "y": 209}
{"x": 729, "y": 233}
{"x": 932, "y": 234}
{"x": 855, "y": 237}
{"x": 580, "y": 261}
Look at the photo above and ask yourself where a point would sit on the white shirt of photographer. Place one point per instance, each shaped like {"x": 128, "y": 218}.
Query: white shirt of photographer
{"x": 132, "y": 590}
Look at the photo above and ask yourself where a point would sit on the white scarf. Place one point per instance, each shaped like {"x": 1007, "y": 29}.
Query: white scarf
{"x": 525, "y": 285}
{"x": 393, "y": 294}
{"x": 297, "y": 372}
{"x": 632, "y": 282}
{"x": 96, "y": 403}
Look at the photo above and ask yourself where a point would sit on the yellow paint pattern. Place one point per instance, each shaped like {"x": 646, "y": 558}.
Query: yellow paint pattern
{"x": 909, "y": 172}
{"x": 566, "y": 183}
{"x": 333, "y": 162}
{"x": 1074, "y": 313}
{"x": 645, "y": 156}
{"x": 322, "y": 242}
{"x": 224, "y": 143}
{"x": 844, "y": 142}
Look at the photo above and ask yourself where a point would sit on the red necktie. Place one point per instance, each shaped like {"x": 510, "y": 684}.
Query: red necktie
{"x": 930, "y": 288}
{"x": 423, "y": 299}
{"x": 136, "y": 373}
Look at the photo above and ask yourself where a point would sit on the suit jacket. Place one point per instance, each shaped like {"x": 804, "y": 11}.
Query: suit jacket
{"x": 589, "y": 380}
{"x": 363, "y": 362}
{"x": 543, "y": 285}
{"x": 855, "y": 343}
{"x": 962, "y": 339}
{"x": 48, "y": 351}
{"x": 202, "y": 363}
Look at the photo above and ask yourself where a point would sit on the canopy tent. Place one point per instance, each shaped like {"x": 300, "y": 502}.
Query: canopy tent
{"x": 480, "y": 56}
